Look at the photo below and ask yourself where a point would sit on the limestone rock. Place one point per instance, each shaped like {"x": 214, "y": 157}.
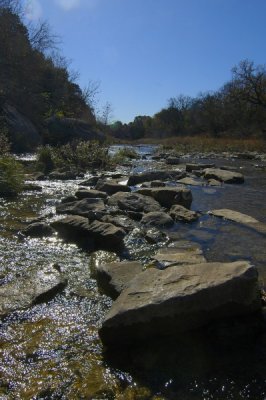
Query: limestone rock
{"x": 111, "y": 187}
{"x": 90, "y": 194}
{"x": 148, "y": 176}
{"x": 114, "y": 277}
{"x": 183, "y": 252}
{"x": 180, "y": 213}
{"x": 190, "y": 181}
{"x": 100, "y": 235}
{"x": 134, "y": 202}
{"x": 36, "y": 286}
{"x": 158, "y": 219}
{"x": 168, "y": 195}
{"x": 197, "y": 167}
{"x": 223, "y": 175}
{"x": 234, "y": 216}
{"x": 38, "y": 229}
{"x": 181, "y": 298}
{"x": 89, "y": 207}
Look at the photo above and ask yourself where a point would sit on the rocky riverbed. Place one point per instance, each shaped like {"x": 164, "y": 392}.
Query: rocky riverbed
{"x": 177, "y": 243}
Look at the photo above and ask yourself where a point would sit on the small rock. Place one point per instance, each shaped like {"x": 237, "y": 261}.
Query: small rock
{"x": 90, "y": 194}
{"x": 111, "y": 187}
{"x": 180, "y": 213}
{"x": 158, "y": 219}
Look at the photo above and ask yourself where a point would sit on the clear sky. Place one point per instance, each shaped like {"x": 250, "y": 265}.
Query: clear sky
{"x": 145, "y": 51}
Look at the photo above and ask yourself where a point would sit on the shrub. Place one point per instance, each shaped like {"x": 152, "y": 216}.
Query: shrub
{"x": 79, "y": 155}
{"x": 4, "y": 142}
{"x": 124, "y": 154}
{"x": 11, "y": 176}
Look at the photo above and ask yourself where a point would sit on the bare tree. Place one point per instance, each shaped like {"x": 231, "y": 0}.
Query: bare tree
{"x": 90, "y": 94}
{"x": 249, "y": 82}
{"x": 41, "y": 36}
{"x": 107, "y": 113}
{"x": 15, "y": 6}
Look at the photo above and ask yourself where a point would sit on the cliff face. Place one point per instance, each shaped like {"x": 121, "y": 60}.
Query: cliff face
{"x": 33, "y": 88}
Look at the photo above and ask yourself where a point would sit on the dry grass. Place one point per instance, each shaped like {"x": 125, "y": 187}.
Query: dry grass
{"x": 203, "y": 144}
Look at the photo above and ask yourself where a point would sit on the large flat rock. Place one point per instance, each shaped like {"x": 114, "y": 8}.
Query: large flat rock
{"x": 181, "y": 253}
{"x": 223, "y": 175}
{"x": 240, "y": 218}
{"x": 149, "y": 176}
{"x": 36, "y": 286}
{"x": 180, "y": 298}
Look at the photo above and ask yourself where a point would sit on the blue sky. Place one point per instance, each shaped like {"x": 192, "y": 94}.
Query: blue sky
{"x": 145, "y": 51}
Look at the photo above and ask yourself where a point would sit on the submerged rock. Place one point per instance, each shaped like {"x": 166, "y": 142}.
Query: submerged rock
{"x": 181, "y": 253}
{"x": 240, "y": 218}
{"x": 36, "y": 286}
{"x": 234, "y": 216}
{"x": 180, "y": 213}
{"x": 38, "y": 229}
{"x": 114, "y": 277}
{"x": 168, "y": 195}
{"x": 148, "y": 176}
{"x": 223, "y": 175}
{"x": 179, "y": 299}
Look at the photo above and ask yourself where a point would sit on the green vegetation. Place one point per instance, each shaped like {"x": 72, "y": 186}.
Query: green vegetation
{"x": 75, "y": 155}
{"x": 124, "y": 154}
{"x": 11, "y": 176}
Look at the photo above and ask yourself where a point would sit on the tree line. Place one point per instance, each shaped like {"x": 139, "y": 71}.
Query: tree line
{"x": 237, "y": 110}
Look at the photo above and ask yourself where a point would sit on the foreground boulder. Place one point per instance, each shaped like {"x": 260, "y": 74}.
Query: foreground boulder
{"x": 181, "y": 298}
{"x": 114, "y": 277}
{"x": 223, "y": 175}
{"x": 167, "y": 196}
{"x": 36, "y": 286}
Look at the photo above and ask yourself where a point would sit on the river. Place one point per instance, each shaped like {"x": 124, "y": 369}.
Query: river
{"x": 52, "y": 350}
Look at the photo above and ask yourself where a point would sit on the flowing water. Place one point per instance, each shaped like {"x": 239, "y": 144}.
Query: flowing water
{"x": 52, "y": 350}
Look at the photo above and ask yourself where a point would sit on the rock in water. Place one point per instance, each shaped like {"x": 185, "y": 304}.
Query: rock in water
{"x": 223, "y": 175}
{"x": 37, "y": 286}
{"x": 168, "y": 195}
{"x": 179, "y": 299}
